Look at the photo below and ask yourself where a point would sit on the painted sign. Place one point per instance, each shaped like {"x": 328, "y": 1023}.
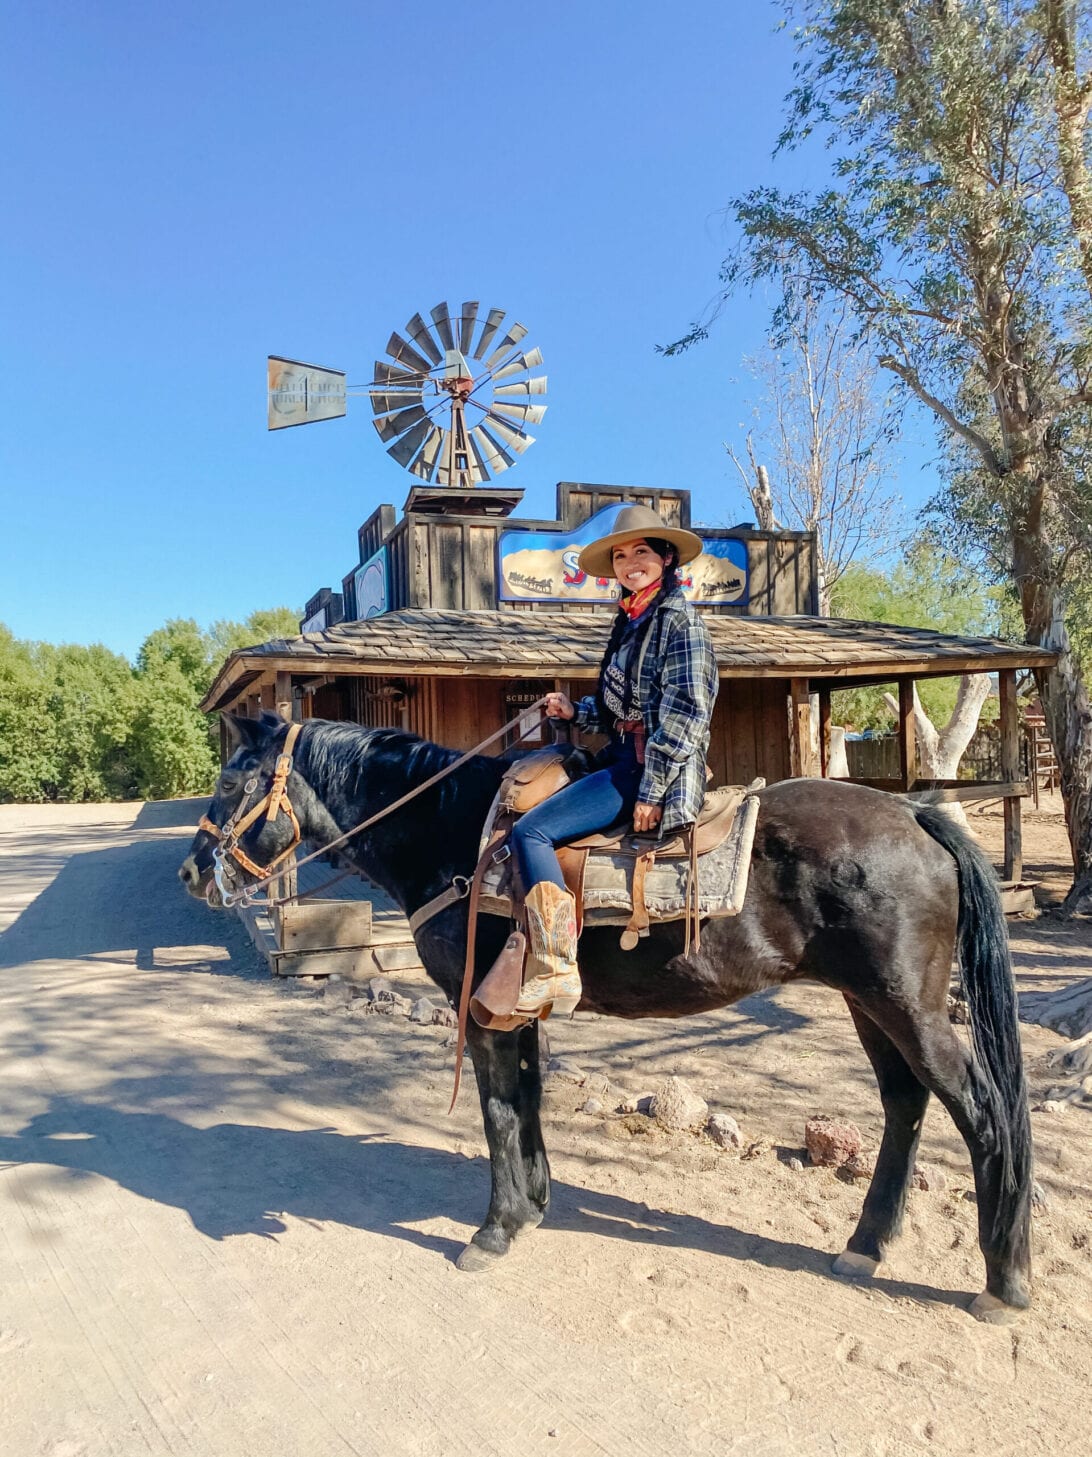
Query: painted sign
{"x": 316, "y": 622}
{"x": 299, "y": 393}
{"x": 370, "y": 586}
{"x": 541, "y": 566}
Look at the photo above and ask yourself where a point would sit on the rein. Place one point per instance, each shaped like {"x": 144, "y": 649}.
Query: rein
{"x": 277, "y": 798}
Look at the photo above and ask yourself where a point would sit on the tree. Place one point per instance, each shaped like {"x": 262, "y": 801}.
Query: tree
{"x": 227, "y": 637}
{"x": 929, "y": 587}
{"x": 28, "y": 740}
{"x": 826, "y": 430}
{"x": 90, "y": 704}
{"x": 78, "y": 723}
{"x": 958, "y": 230}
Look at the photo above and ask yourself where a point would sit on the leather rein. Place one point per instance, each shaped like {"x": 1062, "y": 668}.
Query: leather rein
{"x": 276, "y": 799}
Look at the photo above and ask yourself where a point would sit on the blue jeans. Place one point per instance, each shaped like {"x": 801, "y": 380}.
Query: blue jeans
{"x": 588, "y": 805}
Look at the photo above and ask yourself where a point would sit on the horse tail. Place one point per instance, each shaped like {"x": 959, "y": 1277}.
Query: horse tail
{"x": 986, "y": 974}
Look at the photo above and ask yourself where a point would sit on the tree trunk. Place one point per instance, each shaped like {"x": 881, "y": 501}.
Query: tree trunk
{"x": 1066, "y": 708}
{"x": 939, "y": 751}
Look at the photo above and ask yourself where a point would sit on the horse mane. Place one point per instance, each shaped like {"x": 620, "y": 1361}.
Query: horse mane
{"x": 343, "y": 756}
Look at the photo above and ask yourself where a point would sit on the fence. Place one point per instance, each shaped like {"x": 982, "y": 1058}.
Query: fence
{"x": 878, "y": 757}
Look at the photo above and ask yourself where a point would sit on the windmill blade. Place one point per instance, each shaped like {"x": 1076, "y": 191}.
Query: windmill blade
{"x": 531, "y": 360}
{"x": 417, "y": 329}
{"x": 514, "y": 439}
{"x": 390, "y": 374}
{"x": 425, "y": 463}
{"x": 384, "y": 403}
{"x": 390, "y": 426}
{"x": 489, "y": 452}
{"x": 442, "y": 319}
{"x": 510, "y": 340}
{"x": 403, "y": 451}
{"x": 536, "y": 386}
{"x": 467, "y": 319}
{"x": 480, "y": 471}
{"x": 493, "y": 322}
{"x": 524, "y": 414}
{"x": 406, "y": 355}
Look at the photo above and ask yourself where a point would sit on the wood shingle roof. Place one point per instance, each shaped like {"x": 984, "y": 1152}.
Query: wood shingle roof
{"x": 509, "y": 644}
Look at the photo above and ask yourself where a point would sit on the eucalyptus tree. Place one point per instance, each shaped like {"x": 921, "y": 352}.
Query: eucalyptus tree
{"x": 958, "y": 228}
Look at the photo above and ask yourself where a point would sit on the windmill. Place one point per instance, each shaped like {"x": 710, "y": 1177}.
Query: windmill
{"x": 452, "y": 405}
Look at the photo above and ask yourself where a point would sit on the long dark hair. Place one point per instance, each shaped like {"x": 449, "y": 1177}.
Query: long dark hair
{"x": 668, "y": 584}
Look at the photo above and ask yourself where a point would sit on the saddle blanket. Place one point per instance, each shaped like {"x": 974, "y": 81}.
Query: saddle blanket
{"x": 722, "y": 873}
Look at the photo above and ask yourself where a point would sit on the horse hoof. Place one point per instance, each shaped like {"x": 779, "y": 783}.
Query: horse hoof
{"x": 855, "y": 1267}
{"x": 475, "y": 1261}
{"x": 989, "y": 1309}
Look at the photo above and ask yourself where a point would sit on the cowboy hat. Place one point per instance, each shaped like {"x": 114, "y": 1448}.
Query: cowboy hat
{"x": 632, "y": 523}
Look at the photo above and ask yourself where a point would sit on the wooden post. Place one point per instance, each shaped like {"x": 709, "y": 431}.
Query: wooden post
{"x": 1010, "y": 770}
{"x": 282, "y": 696}
{"x": 266, "y": 697}
{"x": 824, "y": 732}
{"x": 801, "y": 758}
{"x": 908, "y": 744}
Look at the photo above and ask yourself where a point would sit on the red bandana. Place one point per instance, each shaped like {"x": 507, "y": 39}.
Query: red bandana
{"x": 636, "y": 602}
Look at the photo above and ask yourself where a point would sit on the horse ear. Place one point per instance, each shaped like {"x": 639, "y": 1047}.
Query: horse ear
{"x": 272, "y": 723}
{"x": 250, "y": 733}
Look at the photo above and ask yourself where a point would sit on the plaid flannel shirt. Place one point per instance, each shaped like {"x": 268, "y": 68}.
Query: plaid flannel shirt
{"x": 677, "y": 686}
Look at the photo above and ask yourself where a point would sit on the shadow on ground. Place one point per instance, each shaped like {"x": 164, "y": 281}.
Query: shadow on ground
{"x": 120, "y": 901}
{"x": 239, "y": 1179}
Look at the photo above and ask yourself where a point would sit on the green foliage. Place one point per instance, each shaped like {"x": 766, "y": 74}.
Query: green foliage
{"x": 927, "y": 588}
{"x": 28, "y": 766}
{"x": 169, "y": 745}
{"x": 80, "y": 723}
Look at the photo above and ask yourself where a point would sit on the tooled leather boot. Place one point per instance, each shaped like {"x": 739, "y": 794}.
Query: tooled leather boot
{"x": 552, "y": 981}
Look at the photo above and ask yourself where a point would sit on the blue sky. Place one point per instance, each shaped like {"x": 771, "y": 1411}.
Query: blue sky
{"x": 193, "y": 187}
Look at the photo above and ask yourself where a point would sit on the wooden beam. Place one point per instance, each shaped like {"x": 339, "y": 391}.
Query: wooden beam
{"x": 908, "y": 743}
{"x": 824, "y": 732}
{"x": 966, "y": 791}
{"x": 267, "y": 696}
{"x": 1010, "y": 771}
{"x": 801, "y": 758}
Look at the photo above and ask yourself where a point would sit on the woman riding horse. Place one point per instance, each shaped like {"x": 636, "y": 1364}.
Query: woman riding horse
{"x": 657, "y": 683}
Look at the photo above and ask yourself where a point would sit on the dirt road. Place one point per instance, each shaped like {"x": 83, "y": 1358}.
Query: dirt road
{"x": 229, "y": 1210}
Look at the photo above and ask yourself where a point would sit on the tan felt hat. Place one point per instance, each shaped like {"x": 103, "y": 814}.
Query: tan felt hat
{"x": 632, "y": 523}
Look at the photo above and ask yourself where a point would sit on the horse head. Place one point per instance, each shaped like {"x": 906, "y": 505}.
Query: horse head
{"x": 252, "y": 820}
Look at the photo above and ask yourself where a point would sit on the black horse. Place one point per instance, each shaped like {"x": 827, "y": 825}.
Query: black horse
{"x": 849, "y": 887}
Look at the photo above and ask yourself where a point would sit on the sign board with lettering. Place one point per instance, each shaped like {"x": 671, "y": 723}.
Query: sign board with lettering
{"x": 300, "y": 394}
{"x": 316, "y": 622}
{"x": 370, "y": 588}
{"x": 541, "y": 566}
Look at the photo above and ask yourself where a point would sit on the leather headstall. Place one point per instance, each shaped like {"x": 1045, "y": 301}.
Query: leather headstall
{"x": 271, "y": 804}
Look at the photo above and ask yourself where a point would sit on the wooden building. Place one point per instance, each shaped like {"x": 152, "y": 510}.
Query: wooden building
{"x": 460, "y": 614}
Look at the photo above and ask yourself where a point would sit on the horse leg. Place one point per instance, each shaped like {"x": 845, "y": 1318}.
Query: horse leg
{"x": 942, "y": 1062}
{"x": 904, "y": 1100}
{"x": 536, "y": 1167}
{"x": 496, "y": 1057}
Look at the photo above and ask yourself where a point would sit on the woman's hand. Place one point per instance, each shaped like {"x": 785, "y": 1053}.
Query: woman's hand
{"x": 646, "y": 817}
{"x": 559, "y": 706}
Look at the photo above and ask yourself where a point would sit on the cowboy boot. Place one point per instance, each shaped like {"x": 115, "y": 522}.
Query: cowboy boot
{"x": 552, "y": 982}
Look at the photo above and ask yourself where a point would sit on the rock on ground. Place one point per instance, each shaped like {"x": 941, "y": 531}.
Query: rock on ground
{"x": 831, "y": 1142}
{"x": 676, "y": 1105}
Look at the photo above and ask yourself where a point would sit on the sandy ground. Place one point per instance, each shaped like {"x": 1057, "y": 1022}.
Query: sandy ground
{"x": 229, "y": 1210}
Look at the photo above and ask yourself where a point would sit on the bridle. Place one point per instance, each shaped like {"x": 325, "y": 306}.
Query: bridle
{"x": 271, "y": 804}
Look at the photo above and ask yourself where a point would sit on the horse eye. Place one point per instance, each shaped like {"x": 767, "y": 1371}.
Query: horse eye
{"x": 228, "y": 785}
